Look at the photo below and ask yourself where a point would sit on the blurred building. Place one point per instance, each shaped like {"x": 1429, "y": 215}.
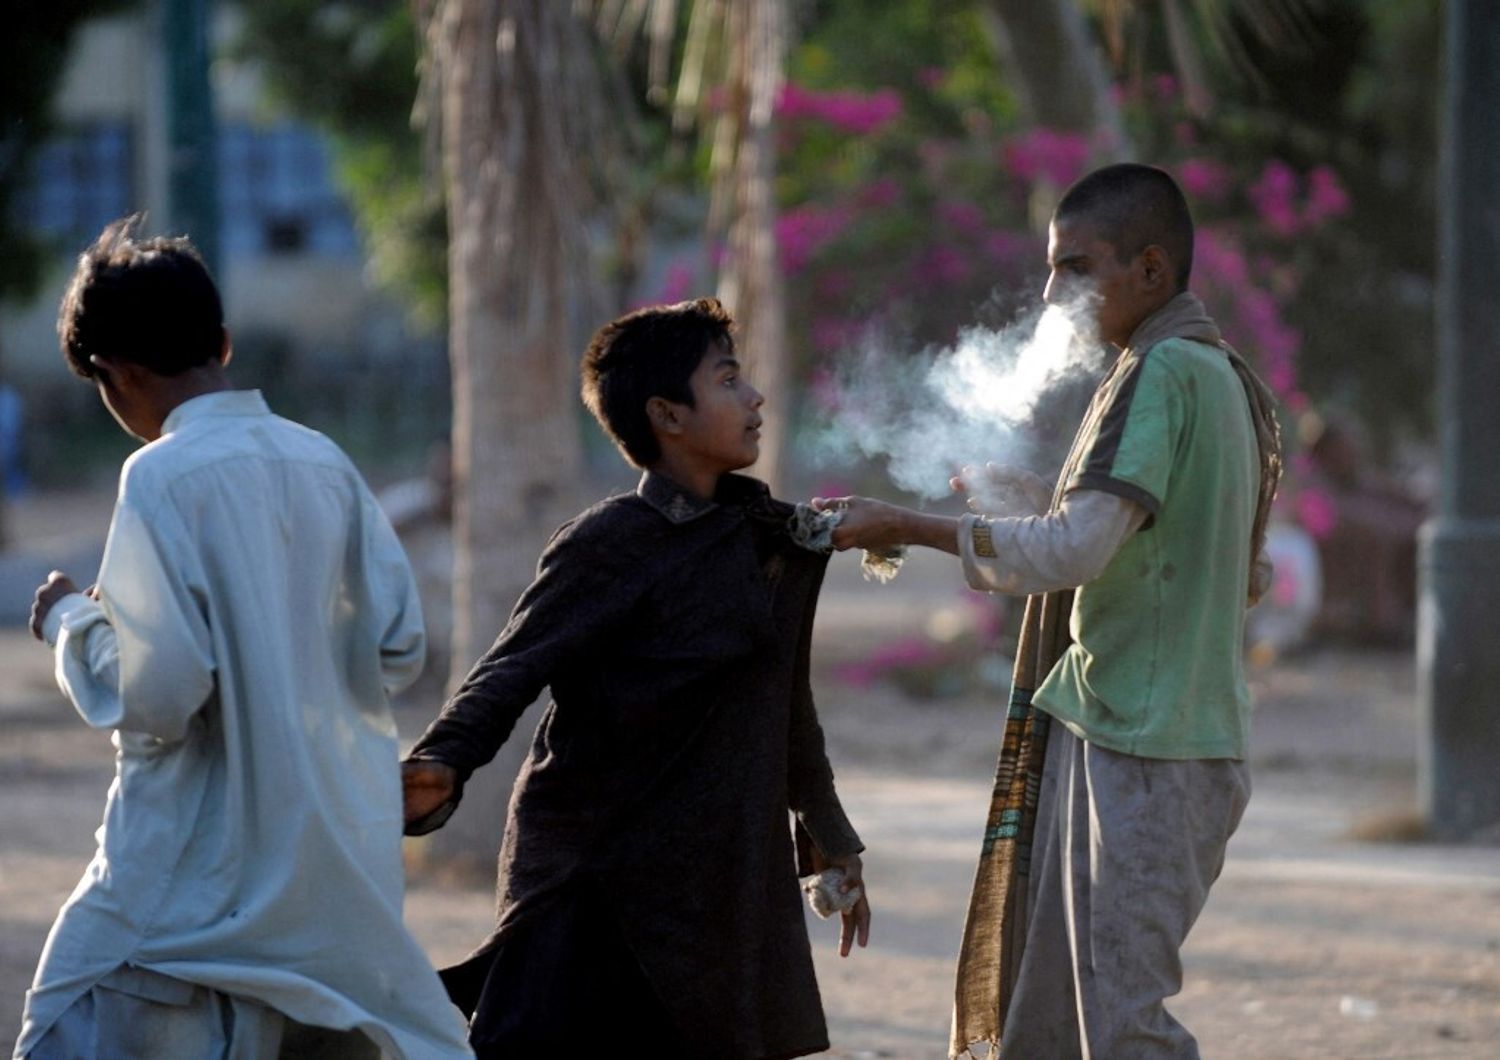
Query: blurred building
{"x": 297, "y": 297}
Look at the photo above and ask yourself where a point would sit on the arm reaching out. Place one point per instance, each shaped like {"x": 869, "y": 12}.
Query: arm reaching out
{"x": 878, "y": 526}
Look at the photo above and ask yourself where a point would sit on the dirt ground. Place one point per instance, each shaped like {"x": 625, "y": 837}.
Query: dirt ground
{"x": 1315, "y": 943}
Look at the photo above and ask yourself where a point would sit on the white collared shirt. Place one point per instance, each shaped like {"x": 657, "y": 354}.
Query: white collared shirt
{"x": 255, "y": 612}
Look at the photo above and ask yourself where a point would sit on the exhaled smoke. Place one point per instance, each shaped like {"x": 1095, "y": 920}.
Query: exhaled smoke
{"x": 930, "y": 415}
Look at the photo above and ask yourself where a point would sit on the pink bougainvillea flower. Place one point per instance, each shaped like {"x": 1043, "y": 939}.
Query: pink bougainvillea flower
{"x": 864, "y": 115}
{"x": 961, "y": 214}
{"x": 1317, "y": 513}
{"x": 1219, "y": 259}
{"x": 1006, "y": 247}
{"x": 794, "y": 102}
{"x": 677, "y": 284}
{"x": 943, "y": 265}
{"x": 1203, "y": 178}
{"x": 1165, "y": 86}
{"x": 1285, "y": 585}
{"x": 932, "y": 77}
{"x": 804, "y": 230}
{"x": 847, "y": 110}
{"x": 856, "y": 674}
{"x": 1274, "y": 197}
{"x": 830, "y": 333}
{"x": 1047, "y": 154}
{"x": 1326, "y": 197}
{"x": 908, "y": 651}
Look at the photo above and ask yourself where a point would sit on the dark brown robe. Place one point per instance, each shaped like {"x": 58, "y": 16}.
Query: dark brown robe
{"x": 675, "y": 636}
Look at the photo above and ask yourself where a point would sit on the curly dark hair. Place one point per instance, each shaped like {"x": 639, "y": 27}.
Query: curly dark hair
{"x": 651, "y": 352}
{"x": 150, "y": 301}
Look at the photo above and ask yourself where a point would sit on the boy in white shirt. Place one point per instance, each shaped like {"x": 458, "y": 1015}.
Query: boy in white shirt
{"x": 253, "y": 613}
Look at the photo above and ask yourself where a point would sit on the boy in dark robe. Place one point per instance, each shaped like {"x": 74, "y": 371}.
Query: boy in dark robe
{"x": 648, "y": 877}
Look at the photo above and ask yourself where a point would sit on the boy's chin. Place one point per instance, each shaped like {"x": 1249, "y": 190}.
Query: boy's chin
{"x": 742, "y": 461}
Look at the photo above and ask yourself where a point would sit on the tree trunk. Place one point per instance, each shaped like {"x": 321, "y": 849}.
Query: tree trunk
{"x": 751, "y": 283}
{"x": 1056, "y": 69}
{"x": 517, "y": 453}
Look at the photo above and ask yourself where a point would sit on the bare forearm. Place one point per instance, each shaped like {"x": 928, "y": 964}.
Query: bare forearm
{"x": 878, "y": 526}
{"x": 931, "y": 531}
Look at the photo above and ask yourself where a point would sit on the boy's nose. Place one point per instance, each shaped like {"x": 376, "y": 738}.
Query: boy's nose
{"x": 755, "y": 397}
{"x": 1049, "y": 292}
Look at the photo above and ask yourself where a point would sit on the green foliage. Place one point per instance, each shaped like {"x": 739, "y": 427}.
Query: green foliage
{"x": 1357, "y": 90}
{"x": 33, "y": 54}
{"x": 350, "y": 68}
{"x": 898, "y": 209}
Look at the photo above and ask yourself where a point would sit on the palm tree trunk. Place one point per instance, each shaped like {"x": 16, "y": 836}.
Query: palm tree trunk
{"x": 1056, "y": 68}
{"x": 751, "y": 283}
{"x": 517, "y": 454}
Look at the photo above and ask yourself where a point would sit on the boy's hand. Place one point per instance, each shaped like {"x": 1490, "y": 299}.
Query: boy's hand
{"x": 425, "y": 787}
{"x": 868, "y": 524}
{"x": 51, "y": 591}
{"x": 855, "y": 921}
{"x": 1003, "y": 490}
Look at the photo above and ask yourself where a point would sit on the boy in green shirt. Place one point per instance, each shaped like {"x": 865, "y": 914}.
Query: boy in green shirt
{"x": 1139, "y": 569}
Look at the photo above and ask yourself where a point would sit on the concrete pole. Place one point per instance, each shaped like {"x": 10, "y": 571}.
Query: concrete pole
{"x": 192, "y": 168}
{"x": 1458, "y": 640}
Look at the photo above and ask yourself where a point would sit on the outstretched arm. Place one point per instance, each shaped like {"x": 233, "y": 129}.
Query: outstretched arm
{"x": 1027, "y": 553}
{"x": 580, "y": 592}
{"x": 878, "y": 525}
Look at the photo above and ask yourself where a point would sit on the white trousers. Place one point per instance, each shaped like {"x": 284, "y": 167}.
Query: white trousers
{"x": 134, "y": 1014}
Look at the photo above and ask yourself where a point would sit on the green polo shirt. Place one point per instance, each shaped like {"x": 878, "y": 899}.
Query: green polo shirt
{"x": 1156, "y": 665}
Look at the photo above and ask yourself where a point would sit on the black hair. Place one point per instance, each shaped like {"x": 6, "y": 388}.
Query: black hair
{"x": 651, "y": 352}
{"x": 1135, "y": 206}
{"x": 150, "y": 301}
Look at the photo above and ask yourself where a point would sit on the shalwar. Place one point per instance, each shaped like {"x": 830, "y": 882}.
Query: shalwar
{"x": 1126, "y": 849}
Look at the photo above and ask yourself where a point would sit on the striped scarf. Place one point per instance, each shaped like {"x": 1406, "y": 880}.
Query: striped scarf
{"x": 995, "y": 929}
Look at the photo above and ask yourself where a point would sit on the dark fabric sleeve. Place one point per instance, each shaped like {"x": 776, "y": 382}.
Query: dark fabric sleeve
{"x": 581, "y": 591}
{"x": 810, "y": 791}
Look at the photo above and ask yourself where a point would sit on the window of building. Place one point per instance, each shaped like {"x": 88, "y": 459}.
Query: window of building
{"x": 277, "y": 195}
{"x": 276, "y": 189}
{"x": 81, "y": 179}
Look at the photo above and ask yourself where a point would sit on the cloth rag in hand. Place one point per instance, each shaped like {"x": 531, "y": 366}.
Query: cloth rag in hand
{"x": 824, "y": 895}
{"x": 813, "y": 530}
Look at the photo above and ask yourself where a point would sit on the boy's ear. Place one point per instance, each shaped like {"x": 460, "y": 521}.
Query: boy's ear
{"x": 104, "y": 368}
{"x": 1156, "y": 267}
{"x": 117, "y": 371}
{"x": 663, "y": 416}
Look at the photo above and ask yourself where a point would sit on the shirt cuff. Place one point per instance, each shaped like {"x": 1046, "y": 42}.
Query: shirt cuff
{"x": 976, "y": 552}
{"x": 53, "y": 623}
{"x": 828, "y": 826}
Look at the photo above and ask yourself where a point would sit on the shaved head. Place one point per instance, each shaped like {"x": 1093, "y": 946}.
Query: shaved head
{"x": 1131, "y": 207}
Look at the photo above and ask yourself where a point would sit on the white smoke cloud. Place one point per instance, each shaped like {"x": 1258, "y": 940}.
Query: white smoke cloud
{"x": 930, "y": 415}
